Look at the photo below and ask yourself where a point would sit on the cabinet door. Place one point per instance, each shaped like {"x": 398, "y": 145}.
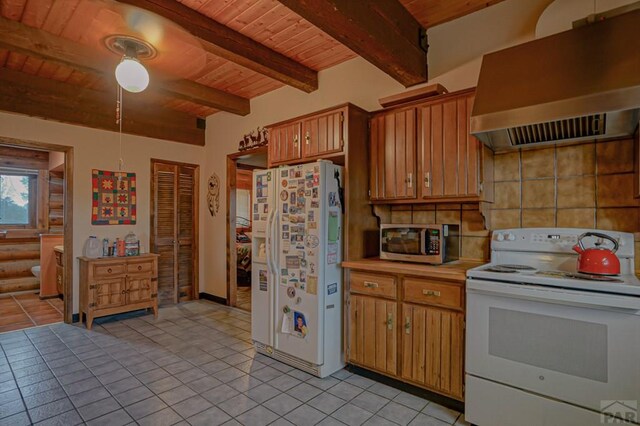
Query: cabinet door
{"x": 109, "y": 293}
{"x": 393, "y": 158}
{"x": 373, "y": 333}
{"x": 432, "y": 348}
{"x": 323, "y": 134}
{"x": 284, "y": 143}
{"x": 450, "y": 155}
{"x": 139, "y": 289}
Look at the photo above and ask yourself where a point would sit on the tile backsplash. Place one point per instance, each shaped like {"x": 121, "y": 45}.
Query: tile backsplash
{"x": 589, "y": 185}
{"x": 585, "y": 186}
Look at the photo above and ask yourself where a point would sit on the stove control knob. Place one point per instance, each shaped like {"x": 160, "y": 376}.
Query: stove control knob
{"x": 511, "y": 237}
{"x": 500, "y": 237}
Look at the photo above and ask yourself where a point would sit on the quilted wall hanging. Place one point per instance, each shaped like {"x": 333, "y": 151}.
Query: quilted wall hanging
{"x": 114, "y": 198}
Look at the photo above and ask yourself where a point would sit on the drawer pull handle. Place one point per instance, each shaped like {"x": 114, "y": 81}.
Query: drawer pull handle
{"x": 369, "y": 284}
{"x": 109, "y": 270}
{"x": 139, "y": 267}
{"x": 407, "y": 325}
{"x": 389, "y": 321}
{"x": 431, "y": 293}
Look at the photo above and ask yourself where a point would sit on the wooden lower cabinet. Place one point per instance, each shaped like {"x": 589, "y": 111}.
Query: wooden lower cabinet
{"x": 373, "y": 339}
{"x": 118, "y": 284}
{"x": 415, "y": 335}
{"x": 433, "y": 348}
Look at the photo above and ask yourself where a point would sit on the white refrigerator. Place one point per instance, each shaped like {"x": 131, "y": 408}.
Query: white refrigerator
{"x": 296, "y": 284}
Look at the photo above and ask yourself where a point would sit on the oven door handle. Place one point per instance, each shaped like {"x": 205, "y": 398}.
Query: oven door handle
{"x": 556, "y": 295}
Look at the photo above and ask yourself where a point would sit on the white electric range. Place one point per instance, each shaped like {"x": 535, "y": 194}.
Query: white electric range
{"x": 546, "y": 345}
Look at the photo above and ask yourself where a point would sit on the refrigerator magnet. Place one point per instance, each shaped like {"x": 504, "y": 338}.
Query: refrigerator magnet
{"x": 263, "y": 280}
{"x": 284, "y": 173}
{"x": 299, "y": 324}
{"x": 312, "y": 284}
{"x": 284, "y": 195}
{"x": 314, "y": 193}
{"x": 291, "y": 292}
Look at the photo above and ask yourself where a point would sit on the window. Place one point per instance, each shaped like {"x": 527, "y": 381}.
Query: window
{"x": 18, "y": 193}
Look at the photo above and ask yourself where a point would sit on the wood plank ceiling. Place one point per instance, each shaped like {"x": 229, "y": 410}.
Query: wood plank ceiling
{"x": 207, "y": 73}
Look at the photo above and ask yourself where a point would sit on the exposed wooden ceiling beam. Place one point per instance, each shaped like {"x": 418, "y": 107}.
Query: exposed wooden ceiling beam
{"x": 222, "y": 41}
{"x": 435, "y": 12}
{"x": 43, "y": 45}
{"x": 40, "y": 97}
{"x": 381, "y": 31}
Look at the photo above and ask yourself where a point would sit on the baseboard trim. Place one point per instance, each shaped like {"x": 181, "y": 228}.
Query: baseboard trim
{"x": 212, "y": 298}
{"x": 454, "y": 404}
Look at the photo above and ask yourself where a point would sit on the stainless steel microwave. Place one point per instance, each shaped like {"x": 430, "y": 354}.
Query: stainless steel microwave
{"x": 433, "y": 244}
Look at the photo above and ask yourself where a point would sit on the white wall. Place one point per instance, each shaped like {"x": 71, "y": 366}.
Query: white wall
{"x": 455, "y": 54}
{"x": 98, "y": 149}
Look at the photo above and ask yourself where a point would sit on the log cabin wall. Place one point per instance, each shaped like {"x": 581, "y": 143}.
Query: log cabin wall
{"x": 56, "y": 202}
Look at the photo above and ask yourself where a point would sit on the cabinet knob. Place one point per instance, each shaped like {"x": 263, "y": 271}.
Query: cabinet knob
{"x": 407, "y": 324}
{"x": 427, "y": 180}
{"x": 109, "y": 270}
{"x": 124, "y": 291}
{"x": 409, "y": 180}
{"x": 307, "y": 138}
{"x": 139, "y": 267}
{"x": 389, "y": 321}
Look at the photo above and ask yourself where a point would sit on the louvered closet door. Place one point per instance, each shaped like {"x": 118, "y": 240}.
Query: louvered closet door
{"x": 185, "y": 249}
{"x": 173, "y": 236}
{"x": 165, "y": 179}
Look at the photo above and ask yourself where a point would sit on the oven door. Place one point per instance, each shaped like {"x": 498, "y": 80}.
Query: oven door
{"x": 574, "y": 346}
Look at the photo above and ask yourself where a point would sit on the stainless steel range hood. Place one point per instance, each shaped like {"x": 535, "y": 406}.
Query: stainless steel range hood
{"x": 582, "y": 84}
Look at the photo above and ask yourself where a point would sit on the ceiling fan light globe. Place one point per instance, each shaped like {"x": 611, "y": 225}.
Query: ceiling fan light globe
{"x": 131, "y": 75}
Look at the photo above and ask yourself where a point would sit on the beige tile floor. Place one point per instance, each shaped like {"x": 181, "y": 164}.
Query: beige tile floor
{"x": 193, "y": 365}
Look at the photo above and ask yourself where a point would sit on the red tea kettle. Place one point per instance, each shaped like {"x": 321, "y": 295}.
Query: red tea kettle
{"x": 597, "y": 260}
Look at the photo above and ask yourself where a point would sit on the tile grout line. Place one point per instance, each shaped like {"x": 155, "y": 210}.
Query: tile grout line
{"x": 26, "y": 313}
{"x": 16, "y": 381}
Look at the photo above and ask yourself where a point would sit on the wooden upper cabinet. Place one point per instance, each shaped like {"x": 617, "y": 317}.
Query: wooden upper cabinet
{"x": 454, "y": 165}
{"x": 393, "y": 155}
{"x": 284, "y": 143}
{"x": 323, "y": 134}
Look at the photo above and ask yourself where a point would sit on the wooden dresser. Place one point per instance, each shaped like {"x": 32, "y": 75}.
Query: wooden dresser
{"x": 407, "y": 321}
{"x": 112, "y": 285}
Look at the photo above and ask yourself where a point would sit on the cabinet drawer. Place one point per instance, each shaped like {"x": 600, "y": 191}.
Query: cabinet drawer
{"x": 432, "y": 293}
{"x": 139, "y": 267}
{"x": 373, "y": 284}
{"x": 108, "y": 270}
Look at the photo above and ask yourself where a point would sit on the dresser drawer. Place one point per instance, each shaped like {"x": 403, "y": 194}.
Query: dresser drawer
{"x": 108, "y": 270}
{"x": 437, "y": 293}
{"x": 373, "y": 284}
{"x": 139, "y": 267}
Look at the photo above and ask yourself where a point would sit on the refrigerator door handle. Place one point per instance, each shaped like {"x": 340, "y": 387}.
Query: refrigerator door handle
{"x": 269, "y": 236}
{"x": 272, "y": 237}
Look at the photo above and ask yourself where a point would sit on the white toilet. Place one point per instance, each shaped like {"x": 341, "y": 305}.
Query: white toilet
{"x": 36, "y": 271}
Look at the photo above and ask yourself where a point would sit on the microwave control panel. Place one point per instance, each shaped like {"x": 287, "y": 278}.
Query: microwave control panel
{"x": 432, "y": 242}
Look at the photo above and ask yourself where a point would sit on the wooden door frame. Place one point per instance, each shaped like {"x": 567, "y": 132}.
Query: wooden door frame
{"x": 232, "y": 259}
{"x": 67, "y": 214}
{"x": 195, "y": 282}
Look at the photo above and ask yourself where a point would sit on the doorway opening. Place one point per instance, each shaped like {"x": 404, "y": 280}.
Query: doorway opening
{"x": 174, "y": 229}
{"x": 36, "y": 234}
{"x": 240, "y": 167}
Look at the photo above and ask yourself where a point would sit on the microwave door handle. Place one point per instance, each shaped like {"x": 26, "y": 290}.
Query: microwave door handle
{"x": 424, "y": 241}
